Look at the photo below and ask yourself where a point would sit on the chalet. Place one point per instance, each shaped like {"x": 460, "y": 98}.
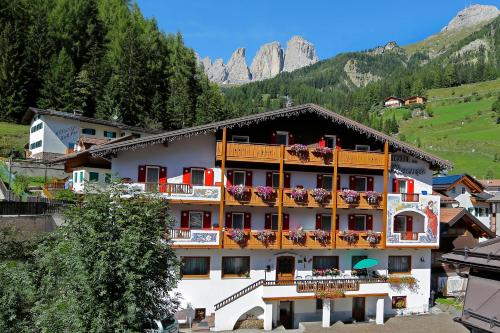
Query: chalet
{"x": 55, "y": 133}
{"x": 481, "y": 265}
{"x": 393, "y": 102}
{"x": 415, "y": 100}
{"x": 276, "y": 213}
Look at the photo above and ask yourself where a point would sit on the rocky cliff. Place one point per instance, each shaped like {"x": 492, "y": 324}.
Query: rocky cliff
{"x": 472, "y": 16}
{"x": 269, "y": 61}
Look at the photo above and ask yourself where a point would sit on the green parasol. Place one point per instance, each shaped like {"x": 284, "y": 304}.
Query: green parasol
{"x": 366, "y": 263}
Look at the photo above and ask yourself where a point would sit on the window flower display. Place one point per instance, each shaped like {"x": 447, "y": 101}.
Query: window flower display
{"x": 265, "y": 192}
{"x": 299, "y": 194}
{"x": 297, "y": 235}
{"x": 320, "y": 194}
{"x": 350, "y": 196}
{"x": 372, "y": 197}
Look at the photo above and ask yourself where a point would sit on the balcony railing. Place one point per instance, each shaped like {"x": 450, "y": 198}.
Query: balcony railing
{"x": 361, "y": 203}
{"x": 308, "y": 200}
{"x": 168, "y": 188}
{"x": 358, "y": 239}
{"x": 193, "y": 237}
{"x": 410, "y": 197}
{"x": 409, "y": 235}
{"x": 179, "y": 192}
{"x": 251, "y": 198}
{"x": 308, "y": 241}
{"x": 252, "y": 241}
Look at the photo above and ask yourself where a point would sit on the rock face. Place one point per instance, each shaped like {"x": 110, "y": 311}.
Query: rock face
{"x": 358, "y": 78}
{"x": 387, "y": 47}
{"x": 299, "y": 53}
{"x": 269, "y": 61}
{"x": 471, "y": 16}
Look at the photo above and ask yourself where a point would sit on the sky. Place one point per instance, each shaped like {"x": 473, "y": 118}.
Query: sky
{"x": 218, "y": 27}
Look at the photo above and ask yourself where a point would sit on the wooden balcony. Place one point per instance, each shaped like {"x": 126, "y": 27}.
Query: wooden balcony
{"x": 251, "y": 198}
{"x": 251, "y": 241}
{"x": 360, "y": 240}
{"x": 362, "y": 203}
{"x": 309, "y": 242}
{"x": 308, "y": 201}
{"x": 266, "y": 153}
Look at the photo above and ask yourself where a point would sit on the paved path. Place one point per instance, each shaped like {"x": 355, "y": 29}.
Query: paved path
{"x": 442, "y": 323}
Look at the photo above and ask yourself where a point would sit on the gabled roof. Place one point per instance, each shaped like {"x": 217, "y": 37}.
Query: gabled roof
{"x": 486, "y": 255}
{"x": 393, "y": 97}
{"x": 444, "y": 199}
{"x": 260, "y": 117}
{"x": 448, "y": 182}
{"x": 453, "y": 215}
{"x": 31, "y": 112}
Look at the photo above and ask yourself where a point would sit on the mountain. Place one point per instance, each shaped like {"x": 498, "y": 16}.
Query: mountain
{"x": 269, "y": 61}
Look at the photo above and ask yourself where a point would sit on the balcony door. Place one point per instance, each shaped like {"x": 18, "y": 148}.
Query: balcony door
{"x": 152, "y": 178}
{"x": 285, "y": 269}
{"x": 358, "y": 309}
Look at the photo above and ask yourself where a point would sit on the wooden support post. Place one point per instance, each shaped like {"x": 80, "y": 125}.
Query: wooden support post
{"x": 334, "y": 197}
{"x": 222, "y": 185}
{"x": 387, "y": 164}
{"x": 280, "y": 196}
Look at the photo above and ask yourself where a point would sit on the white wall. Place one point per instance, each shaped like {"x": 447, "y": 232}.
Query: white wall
{"x": 79, "y": 186}
{"x": 465, "y": 201}
{"x": 405, "y": 166}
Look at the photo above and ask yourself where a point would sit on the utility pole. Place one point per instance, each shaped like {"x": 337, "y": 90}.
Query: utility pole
{"x": 10, "y": 174}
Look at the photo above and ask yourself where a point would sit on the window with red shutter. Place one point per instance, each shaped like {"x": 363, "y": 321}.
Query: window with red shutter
{"x": 229, "y": 177}
{"x": 163, "y": 179}
{"x": 370, "y": 185}
{"x": 338, "y": 141}
{"x": 248, "y": 221}
{"x": 411, "y": 186}
{"x": 369, "y": 222}
{"x": 141, "y": 177}
{"x": 186, "y": 176}
{"x": 338, "y": 183}
{"x": 273, "y": 138}
{"x": 287, "y": 180}
{"x": 291, "y": 139}
{"x": 409, "y": 224}
{"x": 267, "y": 222}
{"x": 351, "y": 224}
{"x": 395, "y": 185}
{"x": 318, "y": 221}
{"x": 248, "y": 179}
{"x": 207, "y": 220}
{"x": 337, "y": 223}
{"x": 209, "y": 177}
{"x": 269, "y": 179}
{"x": 229, "y": 220}
{"x": 286, "y": 222}
{"x": 184, "y": 219}
{"x": 352, "y": 182}
{"x": 322, "y": 142}
{"x": 319, "y": 181}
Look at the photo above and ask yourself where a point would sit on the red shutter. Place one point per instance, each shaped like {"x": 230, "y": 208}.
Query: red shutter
{"x": 337, "y": 223}
{"x": 350, "y": 224}
{"x": 209, "y": 177}
{"x": 229, "y": 220}
{"x": 184, "y": 219}
{"x": 287, "y": 180}
{"x": 318, "y": 221}
{"x": 163, "y": 179}
{"x": 248, "y": 179}
{"x": 141, "y": 177}
{"x": 369, "y": 222}
{"x": 269, "y": 179}
{"x": 411, "y": 186}
{"x": 267, "y": 222}
{"x": 319, "y": 181}
{"x": 286, "y": 222}
{"x": 322, "y": 142}
{"x": 409, "y": 224}
{"x": 337, "y": 143}
{"x": 247, "y": 221}
{"x": 229, "y": 178}
{"x": 186, "y": 176}
{"x": 370, "y": 184}
{"x": 338, "y": 182}
{"x": 291, "y": 139}
{"x": 395, "y": 185}
{"x": 352, "y": 182}
{"x": 207, "y": 220}
{"x": 273, "y": 138}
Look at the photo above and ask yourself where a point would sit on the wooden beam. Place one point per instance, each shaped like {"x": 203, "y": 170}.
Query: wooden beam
{"x": 387, "y": 164}
{"x": 334, "y": 197}
{"x": 280, "y": 196}
{"x": 222, "y": 185}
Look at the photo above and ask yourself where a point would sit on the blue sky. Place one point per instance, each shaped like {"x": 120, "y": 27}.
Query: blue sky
{"x": 216, "y": 28}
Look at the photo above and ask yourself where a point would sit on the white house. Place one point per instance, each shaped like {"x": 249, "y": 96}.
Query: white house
{"x": 492, "y": 186}
{"x": 393, "y": 102}
{"x": 273, "y": 211}
{"x": 54, "y": 133}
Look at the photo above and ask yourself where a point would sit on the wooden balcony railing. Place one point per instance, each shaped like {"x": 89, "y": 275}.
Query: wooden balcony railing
{"x": 362, "y": 203}
{"x": 308, "y": 157}
{"x": 409, "y": 235}
{"x": 249, "y": 152}
{"x": 410, "y": 197}
{"x": 361, "y": 159}
{"x": 357, "y": 239}
{"x": 168, "y": 188}
{"x": 251, "y": 198}
{"x": 251, "y": 241}
{"x": 309, "y": 241}
{"x": 179, "y": 233}
{"x": 308, "y": 200}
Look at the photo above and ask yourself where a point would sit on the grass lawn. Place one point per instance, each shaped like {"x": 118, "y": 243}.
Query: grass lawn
{"x": 465, "y": 90}
{"x": 12, "y": 136}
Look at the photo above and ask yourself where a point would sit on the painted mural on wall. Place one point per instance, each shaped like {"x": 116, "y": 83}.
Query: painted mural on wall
{"x": 69, "y": 134}
{"x": 199, "y": 237}
{"x": 427, "y": 207}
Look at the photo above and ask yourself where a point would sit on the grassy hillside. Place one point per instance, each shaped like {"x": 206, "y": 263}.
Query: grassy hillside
{"x": 462, "y": 131}
{"x": 12, "y": 136}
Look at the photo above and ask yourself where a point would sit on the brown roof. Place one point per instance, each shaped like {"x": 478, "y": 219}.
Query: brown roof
{"x": 448, "y": 215}
{"x": 393, "y": 97}
{"x": 93, "y": 140}
{"x": 491, "y": 182}
{"x": 453, "y": 215}
{"x": 486, "y": 255}
{"x": 444, "y": 198}
{"x": 280, "y": 113}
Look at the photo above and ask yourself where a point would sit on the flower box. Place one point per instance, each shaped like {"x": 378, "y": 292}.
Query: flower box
{"x": 326, "y": 272}
{"x": 350, "y": 196}
{"x": 323, "y": 151}
{"x": 372, "y": 197}
{"x": 298, "y": 194}
{"x": 265, "y": 192}
{"x": 323, "y": 294}
{"x": 320, "y": 194}
{"x": 237, "y": 191}
{"x": 350, "y": 237}
{"x": 298, "y": 236}
{"x": 321, "y": 236}
{"x": 407, "y": 280}
{"x": 265, "y": 236}
{"x": 373, "y": 238}
{"x": 238, "y": 236}
{"x": 298, "y": 149}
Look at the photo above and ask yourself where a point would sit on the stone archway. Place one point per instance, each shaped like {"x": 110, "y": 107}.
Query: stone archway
{"x": 252, "y": 318}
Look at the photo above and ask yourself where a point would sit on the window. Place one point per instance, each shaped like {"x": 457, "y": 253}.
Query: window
{"x": 110, "y": 135}
{"x": 356, "y": 259}
{"x": 325, "y": 262}
{"x": 75, "y": 177}
{"x": 37, "y": 127}
{"x": 327, "y": 182}
{"x": 88, "y": 131}
{"x": 107, "y": 178}
{"x": 454, "y": 190}
{"x": 81, "y": 176}
{"x": 362, "y": 148}
{"x": 360, "y": 184}
{"x": 238, "y": 221}
{"x": 359, "y": 222}
{"x": 36, "y": 145}
{"x": 402, "y": 186}
{"x": 274, "y": 221}
{"x": 399, "y": 264}
{"x": 235, "y": 267}
{"x": 276, "y": 180}
{"x": 398, "y": 302}
{"x": 319, "y": 304}
{"x": 196, "y": 220}
{"x": 93, "y": 176}
{"x": 463, "y": 190}
{"x": 241, "y": 138}
{"x": 400, "y": 223}
{"x": 282, "y": 138}
{"x": 152, "y": 174}
{"x": 239, "y": 177}
{"x": 197, "y": 177}
{"x": 330, "y": 141}
{"x": 195, "y": 266}
{"x": 326, "y": 222}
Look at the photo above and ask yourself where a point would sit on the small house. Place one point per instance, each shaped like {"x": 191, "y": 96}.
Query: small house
{"x": 415, "y": 100}
{"x": 393, "y": 102}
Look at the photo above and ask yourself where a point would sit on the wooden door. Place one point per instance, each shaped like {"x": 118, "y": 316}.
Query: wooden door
{"x": 285, "y": 269}
{"x": 358, "y": 309}
{"x": 286, "y": 314}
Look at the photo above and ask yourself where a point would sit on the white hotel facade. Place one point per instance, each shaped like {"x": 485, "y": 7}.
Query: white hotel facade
{"x": 257, "y": 242}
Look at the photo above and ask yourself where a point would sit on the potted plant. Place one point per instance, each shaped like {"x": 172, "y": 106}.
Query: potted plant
{"x": 297, "y": 235}
{"x": 264, "y": 236}
{"x": 407, "y": 280}
{"x": 372, "y": 197}
{"x": 298, "y": 149}
{"x": 323, "y": 151}
{"x": 350, "y": 196}
{"x": 329, "y": 294}
{"x": 319, "y": 194}
{"x": 299, "y": 194}
{"x": 265, "y": 192}
{"x": 333, "y": 272}
{"x": 350, "y": 237}
{"x": 373, "y": 238}
{"x": 321, "y": 236}
{"x": 238, "y": 236}
{"x": 237, "y": 191}
{"x": 318, "y": 272}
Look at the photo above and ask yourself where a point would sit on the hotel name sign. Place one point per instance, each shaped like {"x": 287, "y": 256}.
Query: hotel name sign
{"x": 406, "y": 165}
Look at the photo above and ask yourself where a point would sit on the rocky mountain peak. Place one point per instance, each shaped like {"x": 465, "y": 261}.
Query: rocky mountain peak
{"x": 472, "y": 16}
{"x": 268, "y": 62}
{"x": 237, "y": 70}
{"x": 387, "y": 47}
{"x": 299, "y": 53}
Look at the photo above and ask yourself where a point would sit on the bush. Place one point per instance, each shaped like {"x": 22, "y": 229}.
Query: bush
{"x": 467, "y": 99}
{"x": 66, "y": 195}
{"x": 20, "y": 185}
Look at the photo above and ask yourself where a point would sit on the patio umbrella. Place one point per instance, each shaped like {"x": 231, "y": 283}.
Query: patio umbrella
{"x": 366, "y": 263}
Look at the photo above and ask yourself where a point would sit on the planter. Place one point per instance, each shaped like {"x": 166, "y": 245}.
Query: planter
{"x": 265, "y": 236}
{"x": 372, "y": 197}
{"x": 350, "y": 237}
{"x": 238, "y": 236}
{"x": 323, "y": 151}
{"x": 299, "y": 194}
{"x": 350, "y": 196}
{"x": 373, "y": 238}
{"x": 329, "y": 294}
{"x": 402, "y": 280}
{"x": 320, "y": 194}
{"x": 237, "y": 191}
{"x": 265, "y": 192}
{"x": 321, "y": 236}
{"x": 297, "y": 236}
